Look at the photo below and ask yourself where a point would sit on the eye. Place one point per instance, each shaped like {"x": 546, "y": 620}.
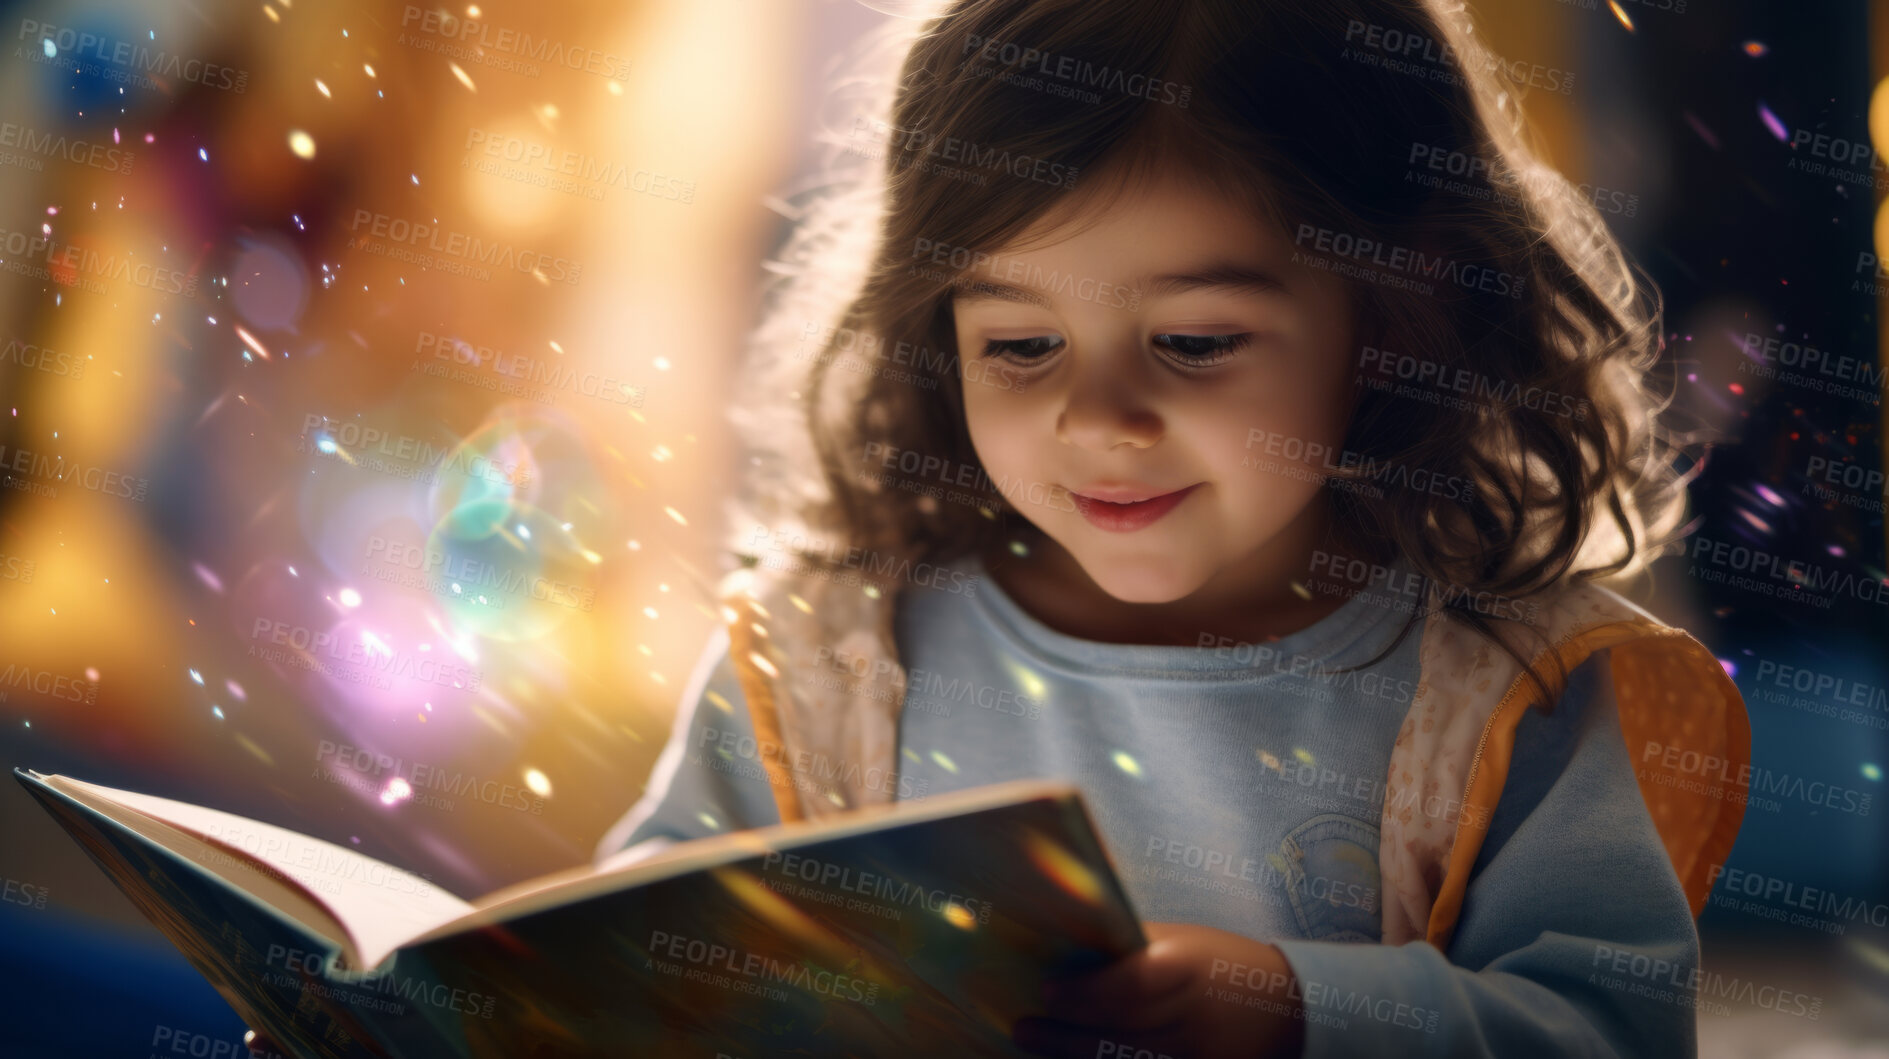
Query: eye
{"x": 1023, "y": 350}
{"x": 1203, "y": 351}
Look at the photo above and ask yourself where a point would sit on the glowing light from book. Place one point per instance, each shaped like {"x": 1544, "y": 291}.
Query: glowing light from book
{"x": 1872, "y": 771}
{"x": 959, "y": 916}
{"x": 196, "y": 676}
{"x": 349, "y": 597}
{"x": 1305, "y": 756}
{"x": 825, "y": 945}
{"x": 1621, "y": 14}
{"x": 944, "y": 762}
{"x": 1063, "y": 869}
{"x": 1127, "y": 763}
{"x": 763, "y": 664}
{"x": 539, "y": 783}
{"x": 397, "y": 790}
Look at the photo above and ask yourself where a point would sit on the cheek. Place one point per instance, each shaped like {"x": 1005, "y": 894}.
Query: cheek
{"x": 998, "y": 425}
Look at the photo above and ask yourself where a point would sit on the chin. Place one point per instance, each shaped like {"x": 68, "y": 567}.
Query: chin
{"x": 1133, "y": 583}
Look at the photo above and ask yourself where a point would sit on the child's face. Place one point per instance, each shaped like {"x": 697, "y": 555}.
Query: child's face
{"x": 1173, "y": 345}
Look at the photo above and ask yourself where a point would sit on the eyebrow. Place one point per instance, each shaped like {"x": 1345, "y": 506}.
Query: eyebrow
{"x": 1231, "y": 278}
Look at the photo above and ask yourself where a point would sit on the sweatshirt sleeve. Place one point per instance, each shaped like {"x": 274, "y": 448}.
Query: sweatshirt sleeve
{"x": 1575, "y": 938}
{"x": 709, "y": 778}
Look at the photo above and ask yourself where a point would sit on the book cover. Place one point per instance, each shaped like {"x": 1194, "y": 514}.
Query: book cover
{"x": 925, "y": 929}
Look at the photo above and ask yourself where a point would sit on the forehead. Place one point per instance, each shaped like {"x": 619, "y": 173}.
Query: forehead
{"x": 1166, "y": 233}
{"x": 1157, "y": 215}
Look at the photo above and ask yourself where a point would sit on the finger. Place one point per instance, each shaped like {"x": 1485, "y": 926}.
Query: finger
{"x": 1138, "y": 991}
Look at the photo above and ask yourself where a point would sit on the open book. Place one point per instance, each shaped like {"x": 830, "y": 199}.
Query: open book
{"x": 921, "y": 928}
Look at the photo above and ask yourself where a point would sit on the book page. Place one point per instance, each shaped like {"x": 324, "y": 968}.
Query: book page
{"x": 379, "y": 906}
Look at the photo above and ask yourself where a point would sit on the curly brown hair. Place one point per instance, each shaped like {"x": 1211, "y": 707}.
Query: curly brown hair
{"x": 1312, "y": 113}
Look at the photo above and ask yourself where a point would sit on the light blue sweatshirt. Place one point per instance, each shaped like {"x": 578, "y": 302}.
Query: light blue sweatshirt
{"x": 1240, "y": 787}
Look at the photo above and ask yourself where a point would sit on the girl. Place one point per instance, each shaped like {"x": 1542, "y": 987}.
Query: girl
{"x": 1174, "y": 363}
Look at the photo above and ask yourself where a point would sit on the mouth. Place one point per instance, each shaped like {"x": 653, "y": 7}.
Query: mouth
{"x": 1127, "y": 508}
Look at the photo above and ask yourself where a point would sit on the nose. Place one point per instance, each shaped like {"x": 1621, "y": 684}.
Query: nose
{"x": 1106, "y": 407}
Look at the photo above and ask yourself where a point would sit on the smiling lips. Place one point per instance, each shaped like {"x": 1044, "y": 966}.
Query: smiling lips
{"x": 1134, "y": 507}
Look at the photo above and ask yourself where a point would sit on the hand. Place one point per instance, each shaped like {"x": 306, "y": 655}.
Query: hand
{"x": 1193, "y": 992}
